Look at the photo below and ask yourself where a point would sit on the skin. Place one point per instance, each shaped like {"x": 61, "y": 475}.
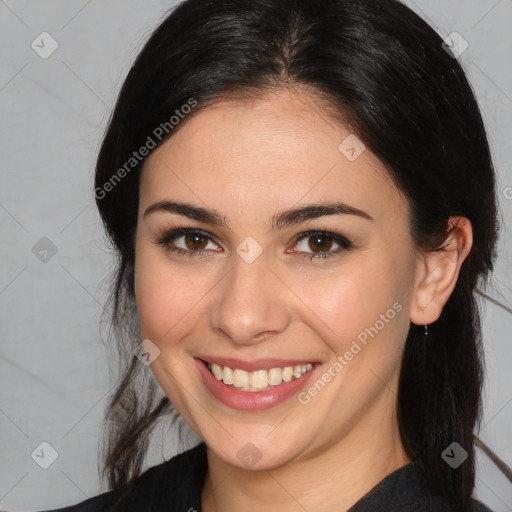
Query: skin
{"x": 248, "y": 161}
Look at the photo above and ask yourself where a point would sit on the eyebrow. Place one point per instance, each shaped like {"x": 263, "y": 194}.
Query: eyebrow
{"x": 279, "y": 220}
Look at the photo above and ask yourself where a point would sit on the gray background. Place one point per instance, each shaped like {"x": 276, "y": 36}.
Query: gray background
{"x": 54, "y": 373}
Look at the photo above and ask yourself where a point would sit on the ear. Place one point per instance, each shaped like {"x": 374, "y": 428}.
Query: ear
{"x": 437, "y": 272}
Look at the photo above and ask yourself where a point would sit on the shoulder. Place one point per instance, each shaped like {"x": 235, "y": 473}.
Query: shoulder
{"x": 475, "y": 506}
{"x": 478, "y": 506}
{"x": 407, "y": 489}
{"x": 434, "y": 502}
{"x": 99, "y": 503}
{"x": 179, "y": 474}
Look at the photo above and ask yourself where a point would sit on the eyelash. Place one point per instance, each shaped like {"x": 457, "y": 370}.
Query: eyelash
{"x": 167, "y": 236}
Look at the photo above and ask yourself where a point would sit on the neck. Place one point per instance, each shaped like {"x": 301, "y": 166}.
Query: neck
{"x": 334, "y": 477}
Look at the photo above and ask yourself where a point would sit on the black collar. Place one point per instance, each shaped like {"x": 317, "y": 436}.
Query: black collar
{"x": 176, "y": 485}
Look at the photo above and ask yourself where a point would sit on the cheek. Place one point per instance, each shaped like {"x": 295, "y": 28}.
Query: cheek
{"x": 168, "y": 297}
{"x": 349, "y": 300}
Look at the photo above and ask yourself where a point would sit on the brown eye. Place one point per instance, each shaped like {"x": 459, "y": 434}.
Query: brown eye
{"x": 188, "y": 242}
{"x": 195, "y": 241}
{"x": 321, "y": 242}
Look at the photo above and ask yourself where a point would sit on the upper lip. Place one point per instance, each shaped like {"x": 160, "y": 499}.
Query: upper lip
{"x": 255, "y": 364}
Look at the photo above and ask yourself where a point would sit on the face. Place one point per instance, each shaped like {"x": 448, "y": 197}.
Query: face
{"x": 254, "y": 291}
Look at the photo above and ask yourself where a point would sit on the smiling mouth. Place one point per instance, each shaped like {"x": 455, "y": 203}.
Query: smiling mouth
{"x": 259, "y": 380}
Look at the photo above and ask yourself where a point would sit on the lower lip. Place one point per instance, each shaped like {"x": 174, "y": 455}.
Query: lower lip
{"x": 252, "y": 400}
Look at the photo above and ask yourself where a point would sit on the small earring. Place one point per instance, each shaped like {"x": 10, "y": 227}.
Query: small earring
{"x": 422, "y": 309}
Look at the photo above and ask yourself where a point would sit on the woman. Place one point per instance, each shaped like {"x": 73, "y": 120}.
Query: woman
{"x": 302, "y": 199}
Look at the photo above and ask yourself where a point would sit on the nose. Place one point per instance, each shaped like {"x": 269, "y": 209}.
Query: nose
{"x": 250, "y": 304}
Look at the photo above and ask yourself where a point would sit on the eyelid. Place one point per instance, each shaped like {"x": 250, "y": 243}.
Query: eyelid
{"x": 339, "y": 239}
{"x": 168, "y": 234}
{"x": 171, "y": 233}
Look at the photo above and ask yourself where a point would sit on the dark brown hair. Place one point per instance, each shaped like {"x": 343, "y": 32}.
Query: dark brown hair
{"x": 384, "y": 70}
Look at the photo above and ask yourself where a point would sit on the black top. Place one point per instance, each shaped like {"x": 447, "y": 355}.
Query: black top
{"x": 175, "y": 485}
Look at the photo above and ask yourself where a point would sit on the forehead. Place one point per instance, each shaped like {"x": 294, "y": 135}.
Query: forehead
{"x": 274, "y": 151}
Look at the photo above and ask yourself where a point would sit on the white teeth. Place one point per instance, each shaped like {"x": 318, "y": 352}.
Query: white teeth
{"x": 260, "y": 379}
{"x": 217, "y": 372}
{"x": 240, "y": 378}
{"x": 275, "y": 376}
{"x": 287, "y": 373}
{"x": 227, "y": 375}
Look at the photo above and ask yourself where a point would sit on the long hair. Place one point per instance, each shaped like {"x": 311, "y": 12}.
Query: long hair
{"x": 383, "y": 72}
